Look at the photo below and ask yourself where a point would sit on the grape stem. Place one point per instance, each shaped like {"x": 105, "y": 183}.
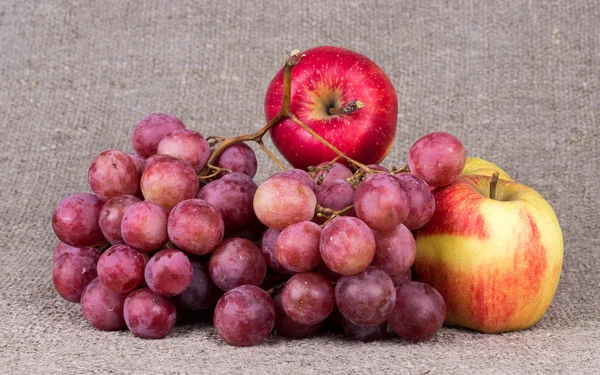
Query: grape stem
{"x": 293, "y": 59}
{"x": 331, "y": 214}
{"x": 276, "y": 288}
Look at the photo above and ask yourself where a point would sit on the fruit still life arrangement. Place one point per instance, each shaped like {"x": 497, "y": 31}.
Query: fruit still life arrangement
{"x": 338, "y": 243}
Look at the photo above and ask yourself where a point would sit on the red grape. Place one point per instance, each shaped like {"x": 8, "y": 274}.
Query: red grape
{"x": 437, "y": 158}
{"x": 364, "y": 333}
{"x": 168, "y": 181}
{"x": 287, "y": 327}
{"x": 381, "y": 202}
{"x": 240, "y": 158}
{"x": 168, "y": 272}
{"x": 337, "y": 171}
{"x": 144, "y": 226}
{"x": 236, "y": 262}
{"x": 151, "y": 130}
{"x": 282, "y": 201}
{"x": 195, "y": 226}
{"x": 202, "y": 293}
{"x": 60, "y": 249}
{"x": 102, "y": 307}
{"x": 149, "y": 315}
{"x": 366, "y": 298}
{"x": 422, "y": 202}
{"x": 395, "y": 250}
{"x": 308, "y": 298}
{"x": 300, "y": 175}
{"x": 121, "y": 269}
{"x": 111, "y": 174}
{"x": 73, "y": 271}
{"x": 138, "y": 160}
{"x": 75, "y": 220}
{"x": 269, "y": 238}
{"x": 232, "y": 199}
{"x": 347, "y": 245}
{"x": 297, "y": 247}
{"x": 244, "y": 316}
{"x": 187, "y": 145}
{"x": 419, "y": 311}
{"x": 111, "y": 216}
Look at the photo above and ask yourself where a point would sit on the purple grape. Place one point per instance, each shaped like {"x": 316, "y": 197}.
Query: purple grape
{"x": 60, "y": 249}
{"x": 402, "y": 278}
{"x": 287, "y": 327}
{"x": 419, "y": 311}
{"x": 300, "y": 175}
{"x": 75, "y": 220}
{"x": 149, "y": 315}
{"x": 195, "y": 226}
{"x": 366, "y": 298}
{"x": 437, "y": 158}
{"x": 244, "y": 316}
{"x": 240, "y": 158}
{"x": 236, "y": 262}
{"x": 364, "y": 333}
{"x": 202, "y": 293}
{"x": 308, "y": 298}
{"x": 297, "y": 247}
{"x": 73, "y": 271}
{"x": 168, "y": 272}
{"x": 121, "y": 269}
{"x": 102, "y": 307}
{"x": 111, "y": 216}
{"x": 395, "y": 250}
{"x": 144, "y": 226}
{"x": 422, "y": 202}
{"x": 151, "y": 130}
{"x": 337, "y": 171}
{"x": 111, "y": 174}
{"x": 336, "y": 195}
{"x": 347, "y": 245}
{"x": 381, "y": 202}
{"x": 243, "y": 179}
{"x": 268, "y": 241}
{"x": 232, "y": 199}
{"x": 168, "y": 181}
{"x": 187, "y": 145}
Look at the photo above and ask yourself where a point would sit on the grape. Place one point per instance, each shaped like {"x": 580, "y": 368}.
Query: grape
{"x": 202, "y": 293}
{"x": 149, "y": 315}
{"x": 419, "y": 311}
{"x": 337, "y": 171}
{"x": 187, "y": 145}
{"x": 268, "y": 241}
{"x": 242, "y": 179}
{"x": 402, "y": 278}
{"x": 395, "y": 250}
{"x": 377, "y": 167}
{"x": 437, "y": 158}
{"x": 282, "y": 201}
{"x": 138, "y": 161}
{"x": 151, "y": 130}
{"x": 238, "y": 157}
{"x": 347, "y": 245}
{"x": 60, "y": 249}
{"x": 308, "y": 298}
{"x": 300, "y": 175}
{"x": 168, "y": 181}
{"x": 244, "y": 316}
{"x": 121, "y": 269}
{"x": 381, "y": 202}
{"x": 337, "y": 195}
{"x": 287, "y": 327}
{"x": 75, "y": 220}
{"x": 232, "y": 199}
{"x": 422, "y": 202}
{"x": 111, "y": 216}
{"x": 236, "y": 262}
{"x": 367, "y": 298}
{"x": 297, "y": 247}
{"x": 144, "y": 226}
{"x": 111, "y": 174}
{"x": 101, "y": 307}
{"x": 73, "y": 272}
{"x": 195, "y": 226}
{"x": 168, "y": 272}
{"x": 364, "y": 333}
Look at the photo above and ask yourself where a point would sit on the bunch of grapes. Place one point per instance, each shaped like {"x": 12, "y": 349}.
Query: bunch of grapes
{"x": 328, "y": 248}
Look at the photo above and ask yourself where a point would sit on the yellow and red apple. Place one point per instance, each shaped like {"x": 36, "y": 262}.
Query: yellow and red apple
{"x": 481, "y": 167}
{"x": 496, "y": 262}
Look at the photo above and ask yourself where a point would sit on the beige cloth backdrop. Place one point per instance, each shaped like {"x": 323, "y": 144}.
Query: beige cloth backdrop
{"x": 517, "y": 81}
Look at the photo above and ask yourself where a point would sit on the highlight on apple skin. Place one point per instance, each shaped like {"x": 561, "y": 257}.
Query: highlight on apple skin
{"x": 496, "y": 262}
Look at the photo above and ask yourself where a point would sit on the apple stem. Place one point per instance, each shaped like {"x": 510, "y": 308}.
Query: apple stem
{"x": 352, "y": 106}
{"x": 221, "y": 143}
{"x": 494, "y": 184}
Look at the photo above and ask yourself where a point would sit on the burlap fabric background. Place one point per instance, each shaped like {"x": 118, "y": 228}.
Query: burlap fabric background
{"x": 517, "y": 81}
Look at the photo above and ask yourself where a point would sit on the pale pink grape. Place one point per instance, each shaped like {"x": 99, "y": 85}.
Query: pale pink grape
{"x": 168, "y": 181}
{"x": 186, "y": 145}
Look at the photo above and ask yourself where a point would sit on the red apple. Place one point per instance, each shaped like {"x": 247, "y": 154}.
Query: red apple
{"x": 496, "y": 262}
{"x": 328, "y": 79}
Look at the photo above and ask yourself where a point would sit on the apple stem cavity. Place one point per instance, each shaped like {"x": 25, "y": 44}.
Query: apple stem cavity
{"x": 494, "y": 184}
{"x": 294, "y": 58}
{"x": 352, "y": 106}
